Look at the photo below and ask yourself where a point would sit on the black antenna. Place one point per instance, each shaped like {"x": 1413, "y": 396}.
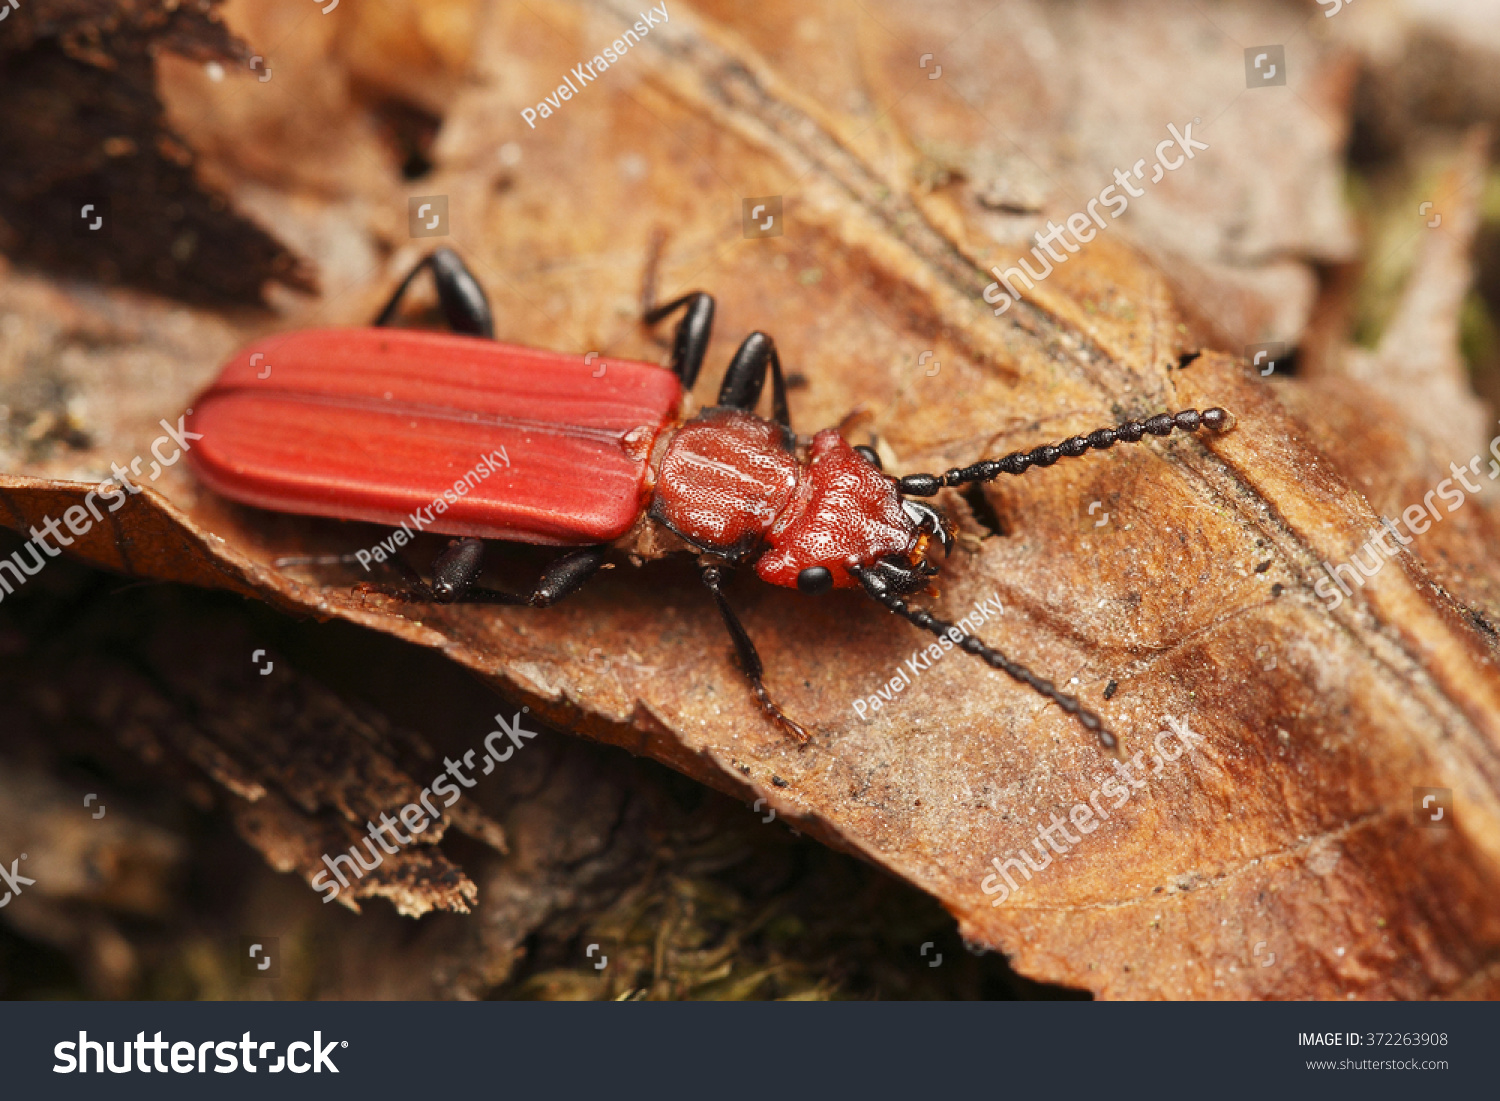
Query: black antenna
{"x": 877, "y": 588}
{"x": 1018, "y": 462}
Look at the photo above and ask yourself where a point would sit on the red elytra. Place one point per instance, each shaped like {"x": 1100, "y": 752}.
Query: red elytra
{"x": 375, "y": 424}
{"x": 595, "y": 453}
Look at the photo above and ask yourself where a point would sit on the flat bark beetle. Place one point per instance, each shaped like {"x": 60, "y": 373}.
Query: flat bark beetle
{"x": 375, "y": 424}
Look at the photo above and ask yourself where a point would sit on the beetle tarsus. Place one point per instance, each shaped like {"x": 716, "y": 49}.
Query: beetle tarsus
{"x": 416, "y": 591}
{"x": 286, "y": 560}
{"x": 779, "y": 718}
{"x": 713, "y": 578}
{"x": 411, "y": 595}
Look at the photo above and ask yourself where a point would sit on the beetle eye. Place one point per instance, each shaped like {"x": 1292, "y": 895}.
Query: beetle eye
{"x": 869, "y": 455}
{"x": 815, "y": 580}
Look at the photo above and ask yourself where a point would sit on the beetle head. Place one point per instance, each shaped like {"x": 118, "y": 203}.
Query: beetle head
{"x": 847, "y": 513}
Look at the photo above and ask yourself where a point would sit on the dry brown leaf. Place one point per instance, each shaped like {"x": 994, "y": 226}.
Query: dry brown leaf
{"x": 1288, "y": 832}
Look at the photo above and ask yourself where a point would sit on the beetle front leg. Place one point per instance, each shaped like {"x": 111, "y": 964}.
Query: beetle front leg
{"x": 462, "y": 299}
{"x": 713, "y": 578}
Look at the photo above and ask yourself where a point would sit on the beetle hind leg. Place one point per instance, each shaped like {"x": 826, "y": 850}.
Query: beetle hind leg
{"x": 690, "y": 340}
{"x": 561, "y": 579}
{"x": 416, "y": 590}
{"x": 713, "y": 578}
{"x": 457, "y": 568}
{"x": 464, "y": 303}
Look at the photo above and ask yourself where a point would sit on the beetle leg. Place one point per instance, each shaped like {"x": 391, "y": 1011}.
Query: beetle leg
{"x": 713, "y": 577}
{"x": 463, "y": 300}
{"x": 561, "y": 579}
{"x": 416, "y": 590}
{"x": 454, "y": 573}
{"x": 314, "y": 560}
{"x": 690, "y": 341}
{"x": 746, "y": 377}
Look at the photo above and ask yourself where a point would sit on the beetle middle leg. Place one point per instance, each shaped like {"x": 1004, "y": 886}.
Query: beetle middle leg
{"x": 690, "y": 342}
{"x": 713, "y": 578}
{"x": 463, "y": 301}
{"x": 457, "y": 568}
{"x": 745, "y": 378}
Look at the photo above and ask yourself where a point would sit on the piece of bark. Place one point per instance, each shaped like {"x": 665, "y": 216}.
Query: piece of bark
{"x": 687, "y": 894}
{"x": 90, "y": 865}
{"x": 93, "y": 181}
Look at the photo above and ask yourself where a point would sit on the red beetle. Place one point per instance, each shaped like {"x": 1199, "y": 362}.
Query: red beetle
{"x": 382, "y": 424}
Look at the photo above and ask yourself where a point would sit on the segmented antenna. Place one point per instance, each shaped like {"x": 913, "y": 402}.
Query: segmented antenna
{"x": 994, "y": 658}
{"x": 1018, "y": 462}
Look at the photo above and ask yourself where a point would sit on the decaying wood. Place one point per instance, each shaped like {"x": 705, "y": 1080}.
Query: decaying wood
{"x": 85, "y": 128}
{"x": 688, "y": 894}
{"x": 1285, "y": 831}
